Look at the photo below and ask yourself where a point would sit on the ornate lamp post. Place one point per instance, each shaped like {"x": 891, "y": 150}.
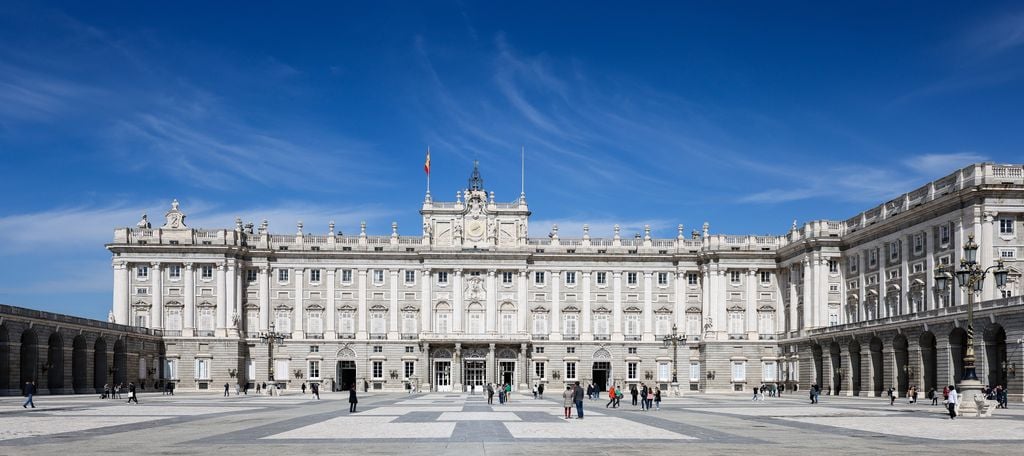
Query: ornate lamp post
{"x": 674, "y": 339}
{"x": 270, "y": 338}
{"x": 971, "y": 277}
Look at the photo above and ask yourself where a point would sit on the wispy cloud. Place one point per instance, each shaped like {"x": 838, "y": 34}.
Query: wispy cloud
{"x": 994, "y": 35}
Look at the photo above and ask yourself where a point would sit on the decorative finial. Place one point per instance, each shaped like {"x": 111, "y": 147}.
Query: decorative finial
{"x": 299, "y": 226}
{"x": 586, "y": 231}
{"x": 362, "y": 228}
{"x": 476, "y": 183}
{"x": 617, "y": 230}
{"x": 331, "y": 227}
{"x": 394, "y": 228}
{"x": 647, "y": 232}
{"x": 680, "y": 235}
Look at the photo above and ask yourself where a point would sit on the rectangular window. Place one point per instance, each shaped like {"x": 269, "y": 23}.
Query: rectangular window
{"x": 769, "y": 371}
{"x": 602, "y": 278}
{"x": 506, "y": 278}
{"x": 202, "y": 369}
{"x": 631, "y": 371}
{"x": 538, "y": 277}
{"x": 142, "y": 272}
{"x": 570, "y": 278}
{"x": 632, "y": 324}
{"x": 539, "y": 350}
{"x": 664, "y": 372}
{"x": 570, "y": 370}
{"x": 171, "y": 369}
{"x": 663, "y": 278}
{"x": 378, "y": 276}
{"x": 538, "y": 369}
{"x": 631, "y": 278}
{"x": 142, "y": 291}
{"x": 314, "y": 349}
{"x": 1006, "y": 226}
{"x": 894, "y": 251}
{"x": 206, "y": 272}
{"x": 378, "y": 369}
{"x": 346, "y": 276}
{"x": 872, "y": 257}
{"x": 250, "y": 275}
{"x": 378, "y": 349}
{"x": 571, "y": 325}
{"x": 833, "y": 266}
{"x": 944, "y": 234}
{"x": 694, "y": 372}
{"x": 739, "y": 371}
{"x": 918, "y": 244}
{"x": 631, "y": 350}
{"x": 314, "y": 276}
{"x": 442, "y": 277}
{"x": 853, "y": 263}
{"x": 314, "y": 370}
{"x": 410, "y": 276}
{"x": 766, "y": 277}
{"x": 410, "y": 369}
{"x": 1007, "y": 253}
{"x": 570, "y": 350}
{"x": 734, "y": 276}
{"x": 691, "y": 278}
{"x": 282, "y": 275}
{"x": 601, "y": 325}
{"x": 174, "y": 272}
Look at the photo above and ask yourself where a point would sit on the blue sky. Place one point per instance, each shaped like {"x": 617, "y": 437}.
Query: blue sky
{"x": 743, "y": 115}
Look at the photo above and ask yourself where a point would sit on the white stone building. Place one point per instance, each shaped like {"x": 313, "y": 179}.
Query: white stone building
{"x": 472, "y": 299}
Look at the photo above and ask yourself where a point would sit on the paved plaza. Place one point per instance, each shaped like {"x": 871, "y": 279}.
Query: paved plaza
{"x": 443, "y": 423}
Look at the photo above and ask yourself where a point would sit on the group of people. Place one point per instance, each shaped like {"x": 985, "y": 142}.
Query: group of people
{"x": 911, "y": 395}
{"x": 997, "y": 394}
{"x": 314, "y": 388}
{"x": 767, "y": 390}
{"x": 504, "y": 392}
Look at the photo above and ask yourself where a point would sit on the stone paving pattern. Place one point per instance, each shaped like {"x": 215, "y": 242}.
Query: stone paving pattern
{"x": 445, "y": 423}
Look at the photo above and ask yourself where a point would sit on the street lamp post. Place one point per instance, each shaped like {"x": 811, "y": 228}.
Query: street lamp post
{"x": 674, "y": 340}
{"x": 270, "y": 338}
{"x": 971, "y": 277}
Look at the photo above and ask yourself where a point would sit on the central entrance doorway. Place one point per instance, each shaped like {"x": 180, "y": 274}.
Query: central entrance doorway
{"x": 507, "y": 373}
{"x": 346, "y": 374}
{"x": 443, "y": 376}
{"x": 474, "y": 375}
{"x": 602, "y": 371}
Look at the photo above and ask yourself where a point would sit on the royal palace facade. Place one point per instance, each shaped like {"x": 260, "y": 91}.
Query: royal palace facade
{"x": 850, "y": 305}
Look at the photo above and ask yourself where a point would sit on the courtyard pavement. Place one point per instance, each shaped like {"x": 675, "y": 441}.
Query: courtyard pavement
{"x": 451, "y": 423}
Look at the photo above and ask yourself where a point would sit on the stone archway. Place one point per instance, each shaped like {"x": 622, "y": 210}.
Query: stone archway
{"x": 995, "y": 355}
{"x": 877, "y": 367}
{"x": 79, "y": 364}
{"x": 29, "y": 360}
{"x": 929, "y": 361}
{"x": 55, "y": 363}
{"x": 835, "y": 356}
{"x": 817, "y": 362}
{"x": 120, "y": 362}
{"x": 900, "y": 349}
{"x": 99, "y": 363}
{"x": 957, "y": 345}
{"x": 855, "y": 367}
{"x": 5, "y": 358}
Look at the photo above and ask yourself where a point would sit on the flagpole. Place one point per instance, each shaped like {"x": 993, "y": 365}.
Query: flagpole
{"x": 522, "y": 171}
{"x": 428, "y": 170}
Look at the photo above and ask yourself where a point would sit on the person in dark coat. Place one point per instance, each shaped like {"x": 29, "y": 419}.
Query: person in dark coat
{"x": 352, "y": 400}
{"x": 578, "y": 398}
{"x": 30, "y": 389}
{"x": 131, "y": 394}
{"x": 540, "y": 390}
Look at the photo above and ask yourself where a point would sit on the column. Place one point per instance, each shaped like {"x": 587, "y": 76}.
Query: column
{"x": 846, "y": 369}
{"x": 585, "y": 331}
{"x": 794, "y": 298}
{"x": 457, "y": 309}
{"x": 490, "y": 365}
{"x": 393, "y": 328}
{"x": 821, "y": 292}
{"x": 929, "y": 270}
{"x": 190, "y": 301}
{"x": 617, "y": 306}
{"x": 862, "y": 291}
{"x": 985, "y": 254}
{"x": 299, "y": 329}
{"x": 883, "y": 308}
{"x": 522, "y": 308}
{"x": 457, "y": 368}
{"x": 222, "y": 314}
{"x": 332, "y": 307}
{"x": 158, "y": 296}
{"x": 555, "y": 325}
{"x": 718, "y": 300}
{"x": 231, "y": 299}
{"x": 264, "y": 279}
{"x": 957, "y": 295}
{"x": 808, "y": 293}
{"x": 523, "y": 369}
{"x": 425, "y": 307}
{"x": 362, "y": 330}
{"x": 905, "y": 305}
{"x": 648, "y": 310}
{"x": 492, "y": 303}
{"x": 679, "y": 309}
{"x": 120, "y": 305}
{"x": 751, "y": 307}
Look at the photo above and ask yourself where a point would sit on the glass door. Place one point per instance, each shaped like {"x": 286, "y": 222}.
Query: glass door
{"x": 443, "y": 375}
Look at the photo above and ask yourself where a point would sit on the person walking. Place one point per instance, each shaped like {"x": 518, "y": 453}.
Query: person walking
{"x": 540, "y": 391}
{"x": 633, "y": 393}
{"x": 578, "y": 397}
{"x": 568, "y": 397}
{"x": 611, "y": 396}
{"x": 933, "y": 396}
{"x": 534, "y": 391}
{"x": 755, "y": 394}
{"x": 106, "y": 391}
{"x": 618, "y": 397}
{"x": 303, "y": 388}
{"x": 657, "y": 399}
{"x": 226, "y": 388}
{"x": 892, "y": 395}
{"x": 508, "y": 392}
{"x": 490, "y": 394}
{"x": 352, "y": 400}
{"x": 314, "y": 388}
{"x": 952, "y": 401}
{"x": 30, "y": 389}
{"x": 132, "y": 397}
{"x": 257, "y": 388}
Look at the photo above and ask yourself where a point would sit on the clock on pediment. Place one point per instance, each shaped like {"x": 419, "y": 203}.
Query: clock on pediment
{"x": 475, "y": 229}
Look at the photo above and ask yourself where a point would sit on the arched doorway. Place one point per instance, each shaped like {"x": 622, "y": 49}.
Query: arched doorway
{"x": 995, "y": 355}
{"x": 29, "y": 360}
{"x": 816, "y": 352}
{"x": 55, "y": 363}
{"x": 903, "y": 370}
{"x": 929, "y": 358}
{"x": 855, "y": 367}
{"x": 346, "y": 369}
{"x": 79, "y": 364}
{"x": 837, "y": 371}
{"x": 99, "y": 363}
{"x": 120, "y": 362}
{"x": 5, "y": 359}
{"x": 877, "y": 367}
{"x": 957, "y": 345}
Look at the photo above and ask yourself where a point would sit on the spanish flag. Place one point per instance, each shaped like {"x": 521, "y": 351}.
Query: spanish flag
{"x": 426, "y": 164}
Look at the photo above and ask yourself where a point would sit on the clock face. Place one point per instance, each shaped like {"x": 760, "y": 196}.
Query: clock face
{"x": 475, "y": 228}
